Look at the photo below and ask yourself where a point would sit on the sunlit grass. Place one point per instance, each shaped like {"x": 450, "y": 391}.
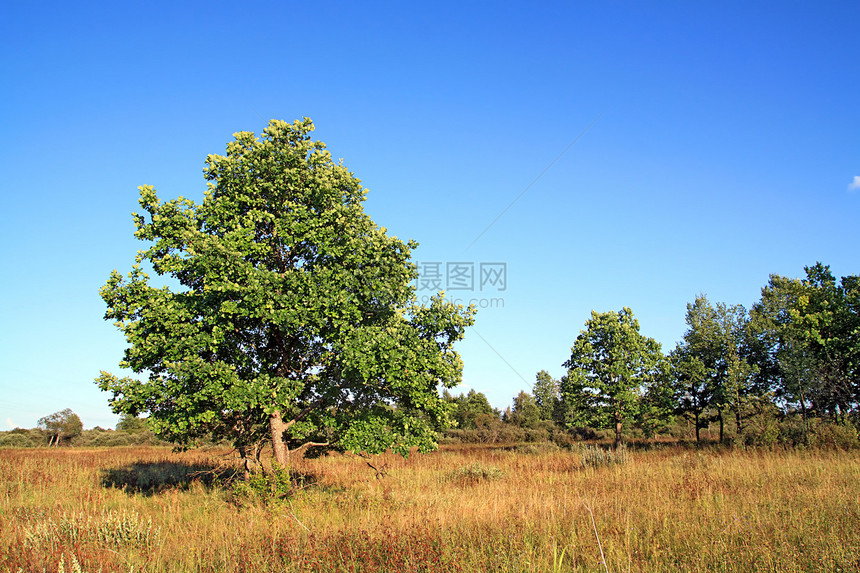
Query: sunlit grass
{"x": 462, "y": 508}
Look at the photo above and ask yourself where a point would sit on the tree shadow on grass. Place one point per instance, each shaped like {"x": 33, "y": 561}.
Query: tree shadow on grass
{"x": 150, "y": 478}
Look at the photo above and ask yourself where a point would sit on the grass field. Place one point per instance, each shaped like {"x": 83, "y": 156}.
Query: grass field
{"x": 464, "y": 508}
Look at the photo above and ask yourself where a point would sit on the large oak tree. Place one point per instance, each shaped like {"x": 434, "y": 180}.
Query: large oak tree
{"x": 611, "y": 365}
{"x": 293, "y": 319}
{"x": 807, "y": 335}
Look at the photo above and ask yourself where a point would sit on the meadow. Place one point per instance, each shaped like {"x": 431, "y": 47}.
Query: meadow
{"x": 463, "y": 508}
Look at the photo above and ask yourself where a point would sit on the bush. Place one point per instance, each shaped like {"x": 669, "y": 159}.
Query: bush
{"x": 10, "y": 440}
{"x": 537, "y": 434}
{"x": 595, "y": 457}
{"x": 267, "y": 488}
{"x": 563, "y": 439}
{"x": 495, "y": 433}
{"x": 840, "y": 436}
{"x": 112, "y": 528}
{"x": 474, "y": 474}
{"x": 96, "y": 439}
{"x": 770, "y": 431}
{"x": 585, "y": 433}
{"x": 536, "y": 448}
{"x": 767, "y": 433}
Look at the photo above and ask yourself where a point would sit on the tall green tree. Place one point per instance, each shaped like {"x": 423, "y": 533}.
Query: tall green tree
{"x": 824, "y": 323}
{"x": 657, "y": 404}
{"x": 295, "y": 319}
{"x": 470, "y": 409}
{"x": 61, "y": 426}
{"x": 710, "y": 364}
{"x": 786, "y": 363}
{"x": 738, "y": 388}
{"x": 610, "y": 366}
{"x": 579, "y": 402}
{"x": 525, "y": 412}
{"x": 692, "y": 385}
{"x": 546, "y": 395}
{"x": 807, "y": 335}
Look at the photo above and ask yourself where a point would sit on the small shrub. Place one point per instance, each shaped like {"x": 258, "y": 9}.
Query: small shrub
{"x": 771, "y": 432}
{"x": 125, "y": 528}
{"x": 585, "y": 433}
{"x": 536, "y": 448}
{"x": 491, "y": 433}
{"x": 563, "y": 439}
{"x": 265, "y": 487}
{"x": 506, "y": 434}
{"x": 765, "y": 433}
{"x": 540, "y": 432}
{"x": 75, "y": 566}
{"x": 108, "y": 439}
{"x": 16, "y": 441}
{"x": 51, "y": 534}
{"x": 61, "y": 566}
{"x": 474, "y": 474}
{"x": 112, "y": 528}
{"x": 840, "y": 436}
{"x": 595, "y": 457}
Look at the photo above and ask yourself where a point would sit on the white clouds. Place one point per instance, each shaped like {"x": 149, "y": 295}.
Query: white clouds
{"x": 854, "y": 185}
{"x": 10, "y": 423}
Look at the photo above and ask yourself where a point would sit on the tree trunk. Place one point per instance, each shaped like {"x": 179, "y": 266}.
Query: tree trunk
{"x": 720, "y": 412}
{"x": 805, "y": 422}
{"x": 617, "y": 433}
{"x": 277, "y": 425}
{"x": 246, "y": 474}
{"x": 697, "y": 429}
{"x": 738, "y": 422}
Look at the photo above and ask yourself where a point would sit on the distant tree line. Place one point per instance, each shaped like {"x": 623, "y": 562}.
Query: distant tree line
{"x": 786, "y": 371}
{"x": 64, "y": 429}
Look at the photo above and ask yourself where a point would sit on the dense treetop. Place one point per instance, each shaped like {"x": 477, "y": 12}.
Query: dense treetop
{"x": 295, "y": 320}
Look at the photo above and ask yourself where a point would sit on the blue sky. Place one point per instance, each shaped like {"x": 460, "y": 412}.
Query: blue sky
{"x": 714, "y": 143}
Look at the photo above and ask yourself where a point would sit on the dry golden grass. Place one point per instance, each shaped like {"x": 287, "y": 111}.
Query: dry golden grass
{"x": 666, "y": 509}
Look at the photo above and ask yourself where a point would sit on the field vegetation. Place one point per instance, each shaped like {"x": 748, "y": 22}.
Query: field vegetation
{"x": 468, "y": 507}
{"x": 298, "y": 369}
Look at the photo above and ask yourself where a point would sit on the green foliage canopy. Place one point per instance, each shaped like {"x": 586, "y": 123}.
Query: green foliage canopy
{"x": 131, "y": 424}
{"x": 807, "y": 335}
{"x": 610, "y": 366}
{"x": 545, "y": 392}
{"x": 295, "y": 319}
{"x": 62, "y": 425}
{"x": 711, "y": 368}
{"x": 471, "y": 409}
{"x": 525, "y": 412}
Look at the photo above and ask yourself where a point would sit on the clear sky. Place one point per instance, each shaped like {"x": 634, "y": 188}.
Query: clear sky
{"x": 652, "y": 151}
